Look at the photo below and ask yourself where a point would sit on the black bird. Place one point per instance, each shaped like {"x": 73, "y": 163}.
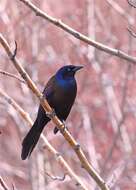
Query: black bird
{"x": 60, "y": 93}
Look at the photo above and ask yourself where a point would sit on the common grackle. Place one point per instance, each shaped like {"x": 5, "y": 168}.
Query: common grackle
{"x": 60, "y": 92}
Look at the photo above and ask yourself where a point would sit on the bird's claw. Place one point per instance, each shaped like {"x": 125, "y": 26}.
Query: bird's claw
{"x": 64, "y": 127}
{"x": 51, "y": 114}
{"x": 56, "y": 129}
{"x": 77, "y": 147}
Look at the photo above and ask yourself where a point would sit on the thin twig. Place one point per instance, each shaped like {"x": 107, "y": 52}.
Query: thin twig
{"x": 72, "y": 142}
{"x": 132, "y": 32}
{"x": 116, "y": 174}
{"x": 131, "y": 4}
{"x": 15, "y": 51}
{"x": 113, "y": 145}
{"x": 120, "y": 10}
{"x": 78, "y": 35}
{"x": 13, "y": 187}
{"x": 16, "y": 107}
{"x": 11, "y": 75}
{"x": 56, "y": 177}
{"x": 3, "y": 184}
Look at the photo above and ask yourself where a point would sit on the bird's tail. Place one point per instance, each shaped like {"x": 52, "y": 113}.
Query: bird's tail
{"x": 31, "y": 139}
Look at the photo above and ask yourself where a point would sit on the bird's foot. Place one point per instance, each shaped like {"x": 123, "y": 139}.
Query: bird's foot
{"x": 51, "y": 114}
{"x": 77, "y": 147}
{"x": 64, "y": 127}
{"x": 62, "y": 130}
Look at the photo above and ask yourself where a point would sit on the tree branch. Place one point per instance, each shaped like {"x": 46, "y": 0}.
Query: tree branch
{"x": 132, "y": 4}
{"x": 50, "y": 148}
{"x": 56, "y": 177}
{"x": 11, "y": 75}
{"x": 78, "y": 35}
{"x": 132, "y": 32}
{"x": 84, "y": 162}
{"x": 3, "y": 184}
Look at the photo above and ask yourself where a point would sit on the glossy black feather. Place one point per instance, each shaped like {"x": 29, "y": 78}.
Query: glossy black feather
{"x": 60, "y": 93}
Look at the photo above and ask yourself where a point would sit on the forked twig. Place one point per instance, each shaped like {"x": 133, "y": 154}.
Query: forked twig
{"x": 78, "y": 35}
{"x": 11, "y": 75}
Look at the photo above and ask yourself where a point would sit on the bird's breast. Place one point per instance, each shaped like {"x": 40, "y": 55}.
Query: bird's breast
{"x": 63, "y": 99}
{"x": 63, "y": 94}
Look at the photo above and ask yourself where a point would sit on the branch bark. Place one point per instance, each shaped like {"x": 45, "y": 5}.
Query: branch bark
{"x": 132, "y": 3}
{"x": 78, "y": 35}
{"x": 3, "y": 184}
{"x": 11, "y": 75}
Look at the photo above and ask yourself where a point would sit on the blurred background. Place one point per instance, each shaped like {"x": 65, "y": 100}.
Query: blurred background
{"x": 103, "y": 117}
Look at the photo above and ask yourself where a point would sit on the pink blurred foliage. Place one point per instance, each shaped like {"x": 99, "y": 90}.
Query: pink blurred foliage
{"x": 106, "y": 92}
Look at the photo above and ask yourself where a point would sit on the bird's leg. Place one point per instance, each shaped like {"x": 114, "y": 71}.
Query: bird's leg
{"x": 51, "y": 114}
{"x": 63, "y": 130}
{"x": 64, "y": 126}
{"x": 77, "y": 147}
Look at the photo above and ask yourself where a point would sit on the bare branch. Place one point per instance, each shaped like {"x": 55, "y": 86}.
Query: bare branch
{"x": 132, "y": 32}
{"x": 56, "y": 177}
{"x": 11, "y": 75}
{"x": 116, "y": 173}
{"x": 15, "y": 51}
{"x": 3, "y": 184}
{"x": 78, "y": 35}
{"x": 113, "y": 145}
{"x": 84, "y": 162}
{"x": 24, "y": 115}
{"x": 120, "y": 10}
{"x": 132, "y": 4}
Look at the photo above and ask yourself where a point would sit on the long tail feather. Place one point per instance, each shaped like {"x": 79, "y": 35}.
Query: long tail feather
{"x": 31, "y": 139}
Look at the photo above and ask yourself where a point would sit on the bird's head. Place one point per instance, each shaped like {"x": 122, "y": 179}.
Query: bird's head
{"x": 68, "y": 71}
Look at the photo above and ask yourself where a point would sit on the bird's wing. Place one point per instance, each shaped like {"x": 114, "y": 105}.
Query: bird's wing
{"x": 49, "y": 88}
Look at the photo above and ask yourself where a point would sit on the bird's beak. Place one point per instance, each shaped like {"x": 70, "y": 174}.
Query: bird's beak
{"x": 77, "y": 68}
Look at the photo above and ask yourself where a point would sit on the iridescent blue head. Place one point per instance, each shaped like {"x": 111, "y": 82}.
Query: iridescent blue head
{"x": 68, "y": 72}
{"x": 65, "y": 75}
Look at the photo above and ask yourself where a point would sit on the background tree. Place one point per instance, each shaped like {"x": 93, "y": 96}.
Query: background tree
{"x": 103, "y": 118}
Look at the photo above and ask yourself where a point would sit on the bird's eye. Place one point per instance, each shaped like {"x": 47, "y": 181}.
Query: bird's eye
{"x": 68, "y": 69}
